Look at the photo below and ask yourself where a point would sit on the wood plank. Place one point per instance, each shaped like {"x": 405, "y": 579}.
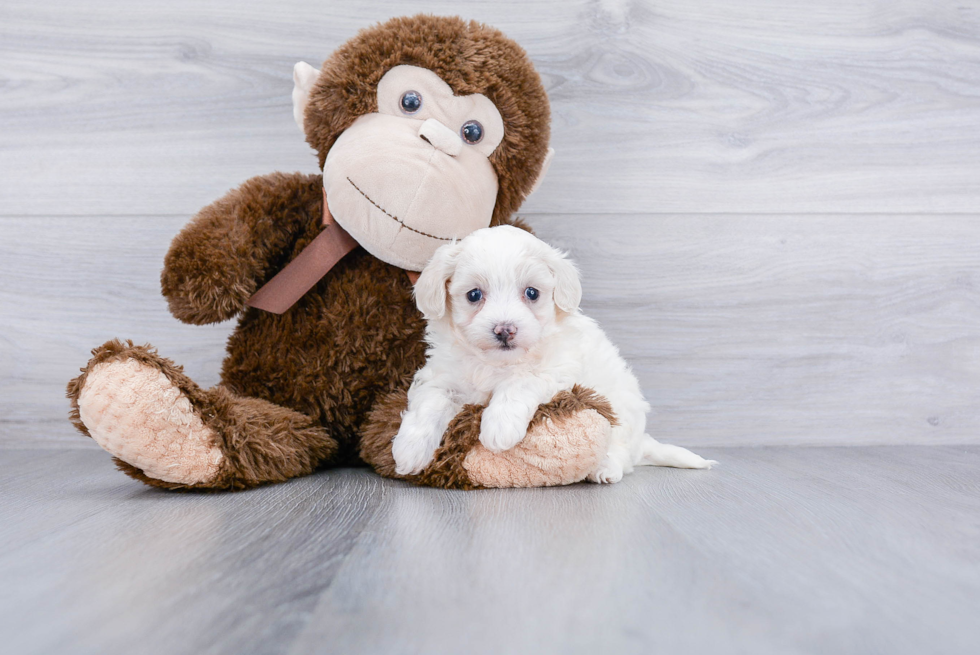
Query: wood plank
{"x": 859, "y": 549}
{"x": 743, "y": 330}
{"x": 113, "y": 562}
{"x": 857, "y": 106}
{"x": 779, "y": 550}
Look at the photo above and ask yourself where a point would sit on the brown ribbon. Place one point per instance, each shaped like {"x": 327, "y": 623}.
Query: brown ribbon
{"x": 329, "y": 247}
{"x": 291, "y": 283}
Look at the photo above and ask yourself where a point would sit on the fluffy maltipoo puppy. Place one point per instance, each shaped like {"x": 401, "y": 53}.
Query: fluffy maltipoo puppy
{"x": 504, "y": 329}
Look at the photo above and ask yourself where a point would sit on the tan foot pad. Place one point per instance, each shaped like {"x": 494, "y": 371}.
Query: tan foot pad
{"x": 549, "y": 455}
{"x": 136, "y": 413}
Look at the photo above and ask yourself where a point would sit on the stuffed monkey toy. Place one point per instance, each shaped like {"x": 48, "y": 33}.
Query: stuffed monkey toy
{"x": 427, "y": 128}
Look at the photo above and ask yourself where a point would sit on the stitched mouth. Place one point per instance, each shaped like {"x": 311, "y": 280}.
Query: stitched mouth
{"x": 395, "y": 218}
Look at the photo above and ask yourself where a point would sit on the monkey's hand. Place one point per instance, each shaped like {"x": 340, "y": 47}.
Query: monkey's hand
{"x": 218, "y": 260}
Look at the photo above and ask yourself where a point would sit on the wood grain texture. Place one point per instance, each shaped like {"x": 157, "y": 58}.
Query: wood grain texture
{"x": 790, "y": 329}
{"x": 113, "y": 563}
{"x": 743, "y": 330}
{"x": 780, "y": 550}
{"x": 669, "y": 106}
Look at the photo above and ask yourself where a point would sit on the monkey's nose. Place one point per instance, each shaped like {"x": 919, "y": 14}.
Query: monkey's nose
{"x": 441, "y": 137}
{"x": 504, "y": 332}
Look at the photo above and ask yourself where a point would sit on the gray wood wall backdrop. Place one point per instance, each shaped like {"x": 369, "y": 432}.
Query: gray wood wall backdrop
{"x": 775, "y": 204}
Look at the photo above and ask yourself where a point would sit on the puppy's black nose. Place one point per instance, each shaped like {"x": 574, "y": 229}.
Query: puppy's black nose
{"x": 504, "y": 332}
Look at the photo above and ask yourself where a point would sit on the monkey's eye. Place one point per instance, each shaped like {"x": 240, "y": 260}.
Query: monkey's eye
{"x": 411, "y": 102}
{"x": 531, "y": 293}
{"x": 474, "y": 295}
{"x": 472, "y": 132}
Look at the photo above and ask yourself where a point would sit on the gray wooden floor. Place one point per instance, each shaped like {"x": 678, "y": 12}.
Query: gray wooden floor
{"x": 776, "y": 208}
{"x": 780, "y": 550}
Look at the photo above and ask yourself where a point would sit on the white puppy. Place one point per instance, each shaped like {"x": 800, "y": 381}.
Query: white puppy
{"x": 504, "y": 327}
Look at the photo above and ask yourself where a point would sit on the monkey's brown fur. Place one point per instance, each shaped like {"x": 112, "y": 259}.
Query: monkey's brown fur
{"x": 296, "y": 389}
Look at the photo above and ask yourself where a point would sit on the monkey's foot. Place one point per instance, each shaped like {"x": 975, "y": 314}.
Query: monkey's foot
{"x": 166, "y": 431}
{"x": 566, "y": 440}
{"x": 139, "y": 414}
{"x": 559, "y": 450}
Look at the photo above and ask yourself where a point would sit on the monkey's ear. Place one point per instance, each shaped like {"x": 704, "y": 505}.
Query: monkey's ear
{"x": 430, "y": 289}
{"x": 544, "y": 170}
{"x": 304, "y": 76}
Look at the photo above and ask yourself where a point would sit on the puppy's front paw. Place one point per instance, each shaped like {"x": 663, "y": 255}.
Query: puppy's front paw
{"x": 411, "y": 449}
{"x": 609, "y": 472}
{"x": 502, "y": 427}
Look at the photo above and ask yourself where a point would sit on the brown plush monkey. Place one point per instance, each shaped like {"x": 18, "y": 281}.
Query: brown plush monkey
{"x": 426, "y": 128}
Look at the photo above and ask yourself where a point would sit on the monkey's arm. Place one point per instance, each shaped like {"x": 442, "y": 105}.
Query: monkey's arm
{"x": 217, "y": 261}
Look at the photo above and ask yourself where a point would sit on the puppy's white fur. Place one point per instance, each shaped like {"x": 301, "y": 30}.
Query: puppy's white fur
{"x": 545, "y": 345}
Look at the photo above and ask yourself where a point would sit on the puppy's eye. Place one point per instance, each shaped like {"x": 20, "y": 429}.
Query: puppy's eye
{"x": 474, "y": 295}
{"x": 411, "y": 102}
{"x": 531, "y": 293}
{"x": 472, "y": 132}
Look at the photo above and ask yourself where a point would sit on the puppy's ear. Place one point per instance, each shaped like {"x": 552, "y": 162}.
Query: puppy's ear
{"x": 568, "y": 285}
{"x": 430, "y": 290}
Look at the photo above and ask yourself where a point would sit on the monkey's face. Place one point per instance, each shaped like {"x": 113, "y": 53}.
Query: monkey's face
{"x": 415, "y": 175}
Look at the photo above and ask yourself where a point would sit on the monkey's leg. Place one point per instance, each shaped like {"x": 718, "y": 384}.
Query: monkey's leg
{"x": 166, "y": 431}
{"x": 566, "y": 441}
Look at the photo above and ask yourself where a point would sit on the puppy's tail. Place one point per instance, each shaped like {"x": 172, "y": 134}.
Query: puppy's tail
{"x": 663, "y": 454}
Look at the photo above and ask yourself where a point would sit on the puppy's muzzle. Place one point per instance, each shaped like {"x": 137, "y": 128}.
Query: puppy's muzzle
{"x": 505, "y": 333}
